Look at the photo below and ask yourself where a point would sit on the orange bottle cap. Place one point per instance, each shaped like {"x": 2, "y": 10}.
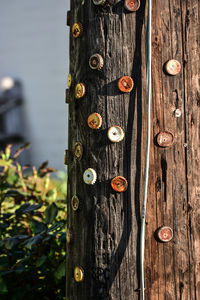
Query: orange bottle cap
{"x": 95, "y": 121}
{"x": 165, "y": 234}
{"x": 125, "y": 84}
{"x": 165, "y": 139}
{"x": 173, "y": 67}
{"x": 132, "y": 5}
{"x": 119, "y": 184}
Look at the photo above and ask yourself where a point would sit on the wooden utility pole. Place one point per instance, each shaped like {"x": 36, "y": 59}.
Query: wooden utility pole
{"x": 104, "y": 225}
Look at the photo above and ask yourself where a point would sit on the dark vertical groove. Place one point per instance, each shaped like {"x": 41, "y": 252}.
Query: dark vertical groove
{"x": 186, "y": 130}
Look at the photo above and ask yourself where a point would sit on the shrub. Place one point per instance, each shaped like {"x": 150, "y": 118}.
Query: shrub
{"x": 32, "y": 230}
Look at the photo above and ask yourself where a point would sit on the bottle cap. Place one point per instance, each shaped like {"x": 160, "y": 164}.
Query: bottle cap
{"x": 77, "y": 29}
{"x": 96, "y": 62}
{"x": 125, "y": 84}
{"x": 69, "y": 80}
{"x": 177, "y": 113}
{"x": 173, "y": 67}
{"x": 115, "y": 134}
{"x": 90, "y": 176}
{"x": 79, "y": 90}
{"x": 165, "y": 234}
{"x": 78, "y": 274}
{"x": 132, "y": 5}
{"x": 95, "y": 121}
{"x": 165, "y": 139}
{"x": 78, "y": 150}
{"x": 75, "y": 203}
{"x": 119, "y": 184}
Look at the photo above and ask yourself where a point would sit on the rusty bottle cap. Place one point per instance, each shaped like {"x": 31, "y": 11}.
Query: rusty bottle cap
{"x": 99, "y": 2}
{"x": 132, "y": 5}
{"x": 95, "y": 121}
{"x": 125, "y": 84}
{"x": 69, "y": 235}
{"x": 165, "y": 234}
{"x": 77, "y": 29}
{"x": 78, "y": 150}
{"x": 96, "y": 62}
{"x": 69, "y": 80}
{"x": 75, "y": 203}
{"x": 165, "y": 139}
{"x": 173, "y": 67}
{"x": 90, "y": 176}
{"x": 115, "y": 134}
{"x": 119, "y": 184}
{"x": 78, "y": 274}
{"x": 79, "y": 90}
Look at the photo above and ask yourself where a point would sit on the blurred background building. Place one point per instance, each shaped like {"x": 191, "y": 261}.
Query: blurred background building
{"x": 34, "y": 53}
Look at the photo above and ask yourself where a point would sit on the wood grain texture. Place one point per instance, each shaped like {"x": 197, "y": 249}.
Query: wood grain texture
{"x": 106, "y": 227}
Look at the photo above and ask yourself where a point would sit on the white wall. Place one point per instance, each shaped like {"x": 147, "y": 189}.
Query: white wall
{"x": 34, "y": 48}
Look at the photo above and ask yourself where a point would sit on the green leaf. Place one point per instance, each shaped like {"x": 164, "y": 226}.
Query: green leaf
{"x": 38, "y": 227}
{"x": 19, "y": 150}
{"x": 52, "y": 194}
{"x": 40, "y": 261}
{"x": 33, "y": 241}
{"x": 26, "y": 208}
{"x": 59, "y": 225}
{"x": 5, "y": 163}
{"x": 4, "y": 225}
{"x": 12, "y": 193}
{"x": 10, "y": 243}
{"x": 32, "y": 208}
{"x": 51, "y": 213}
{"x": 43, "y": 165}
{"x": 60, "y": 271}
{"x": 22, "y": 208}
{"x": 62, "y": 237}
{"x": 21, "y": 236}
{"x": 3, "y": 286}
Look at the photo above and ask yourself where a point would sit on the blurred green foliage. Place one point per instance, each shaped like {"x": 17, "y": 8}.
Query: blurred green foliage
{"x": 32, "y": 230}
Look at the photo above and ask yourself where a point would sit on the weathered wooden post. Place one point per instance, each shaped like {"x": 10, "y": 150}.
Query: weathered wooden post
{"x": 107, "y": 140}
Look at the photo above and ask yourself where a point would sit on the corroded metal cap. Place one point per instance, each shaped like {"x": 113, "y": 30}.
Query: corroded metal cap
{"x": 77, "y": 29}
{"x": 119, "y": 184}
{"x": 165, "y": 234}
{"x": 90, "y": 176}
{"x": 78, "y": 150}
{"x": 165, "y": 139}
{"x": 75, "y": 203}
{"x": 125, "y": 84}
{"x": 173, "y": 67}
{"x": 79, "y": 90}
{"x": 96, "y": 62}
{"x": 78, "y": 274}
{"x": 115, "y": 134}
{"x": 95, "y": 121}
{"x": 69, "y": 80}
{"x": 132, "y": 5}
